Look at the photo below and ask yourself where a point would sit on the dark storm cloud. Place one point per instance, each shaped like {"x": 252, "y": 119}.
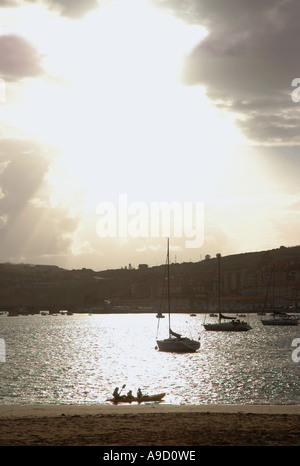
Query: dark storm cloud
{"x": 18, "y": 58}
{"x": 247, "y": 62}
{"x": 30, "y": 226}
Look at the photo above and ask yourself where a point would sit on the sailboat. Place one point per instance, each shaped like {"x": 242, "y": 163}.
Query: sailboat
{"x": 175, "y": 343}
{"x": 280, "y": 318}
{"x": 277, "y": 317}
{"x": 232, "y": 324}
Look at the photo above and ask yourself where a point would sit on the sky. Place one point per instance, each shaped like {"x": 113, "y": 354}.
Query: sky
{"x": 155, "y": 102}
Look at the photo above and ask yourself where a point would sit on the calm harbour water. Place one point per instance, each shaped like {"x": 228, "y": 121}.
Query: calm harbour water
{"x": 79, "y": 359}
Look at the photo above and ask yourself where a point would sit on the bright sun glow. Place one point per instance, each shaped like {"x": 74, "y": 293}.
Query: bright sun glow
{"x": 114, "y": 96}
{"x": 95, "y": 106}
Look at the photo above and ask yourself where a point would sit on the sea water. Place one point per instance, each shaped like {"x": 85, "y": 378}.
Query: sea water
{"x": 81, "y": 358}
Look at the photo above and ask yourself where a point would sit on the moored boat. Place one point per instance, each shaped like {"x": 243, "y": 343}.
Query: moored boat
{"x": 175, "y": 343}
{"x": 277, "y": 317}
{"x": 235, "y": 325}
{"x": 225, "y": 323}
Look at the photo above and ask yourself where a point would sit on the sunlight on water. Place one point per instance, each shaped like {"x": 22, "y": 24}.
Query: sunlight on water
{"x": 81, "y": 358}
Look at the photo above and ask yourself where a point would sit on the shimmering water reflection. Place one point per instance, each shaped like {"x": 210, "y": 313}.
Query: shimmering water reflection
{"x": 81, "y": 358}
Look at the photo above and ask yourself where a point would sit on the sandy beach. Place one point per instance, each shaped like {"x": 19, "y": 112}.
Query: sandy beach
{"x": 150, "y": 425}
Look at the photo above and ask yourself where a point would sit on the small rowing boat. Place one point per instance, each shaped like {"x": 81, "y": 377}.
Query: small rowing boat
{"x": 131, "y": 399}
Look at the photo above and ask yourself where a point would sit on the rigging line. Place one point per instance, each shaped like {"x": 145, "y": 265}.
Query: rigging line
{"x": 268, "y": 287}
{"x": 157, "y": 328}
{"x": 162, "y": 296}
{"x": 168, "y": 259}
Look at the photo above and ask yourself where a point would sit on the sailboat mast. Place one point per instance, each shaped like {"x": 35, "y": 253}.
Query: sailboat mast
{"x": 268, "y": 287}
{"x": 219, "y": 284}
{"x": 273, "y": 291}
{"x": 168, "y": 272}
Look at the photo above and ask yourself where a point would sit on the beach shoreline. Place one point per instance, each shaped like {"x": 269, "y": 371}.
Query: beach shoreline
{"x": 149, "y": 424}
{"x": 54, "y": 410}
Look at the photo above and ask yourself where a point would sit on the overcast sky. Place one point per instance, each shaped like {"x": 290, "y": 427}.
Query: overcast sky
{"x": 160, "y": 101}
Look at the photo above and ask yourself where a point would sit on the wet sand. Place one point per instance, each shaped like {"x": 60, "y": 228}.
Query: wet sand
{"x": 150, "y": 425}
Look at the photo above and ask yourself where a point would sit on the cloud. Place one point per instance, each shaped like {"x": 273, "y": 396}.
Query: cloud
{"x": 247, "y": 62}
{"x": 30, "y": 226}
{"x": 71, "y": 8}
{"x": 8, "y": 3}
{"x": 18, "y": 58}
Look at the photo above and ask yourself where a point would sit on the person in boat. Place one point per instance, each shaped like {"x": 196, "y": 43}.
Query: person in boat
{"x": 116, "y": 394}
{"x": 129, "y": 394}
{"x": 139, "y": 394}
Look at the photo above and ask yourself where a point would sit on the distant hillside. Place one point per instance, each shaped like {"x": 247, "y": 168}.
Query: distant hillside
{"x": 35, "y": 287}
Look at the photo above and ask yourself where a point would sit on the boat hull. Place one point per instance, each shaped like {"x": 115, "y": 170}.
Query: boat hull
{"x": 228, "y": 327}
{"x": 178, "y": 345}
{"x": 131, "y": 399}
{"x": 279, "y": 322}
